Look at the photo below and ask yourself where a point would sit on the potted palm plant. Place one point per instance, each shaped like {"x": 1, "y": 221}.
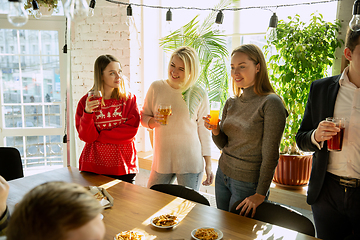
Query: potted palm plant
{"x": 211, "y": 48}
{"x": 304, "y": 53}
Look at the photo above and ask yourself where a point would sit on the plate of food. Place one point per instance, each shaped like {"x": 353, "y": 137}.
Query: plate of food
{"x": 105, "y": 199}
{"x": 165, "y": 221}
{"x": 128, "y": 235}
{"x": 206, "y": 233}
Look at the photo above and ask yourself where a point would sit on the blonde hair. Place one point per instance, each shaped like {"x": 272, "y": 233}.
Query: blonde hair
{"x": 51, "y": 210}
{"x": 191, "y": 62}
{"x": 262, "y": 84}
{"x": 100, "y": 64}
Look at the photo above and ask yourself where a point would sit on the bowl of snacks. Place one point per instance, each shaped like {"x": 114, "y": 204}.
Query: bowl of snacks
{"x": 206, "y": 233}
{"x": 128, "y": 235}
{"x": 165, "y": 221}
{"x": 105, "y": 199}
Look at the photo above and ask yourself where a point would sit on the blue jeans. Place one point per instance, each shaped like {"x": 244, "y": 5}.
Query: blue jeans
{"x": 228, "y": 190}
{"x": 191, "y": 180}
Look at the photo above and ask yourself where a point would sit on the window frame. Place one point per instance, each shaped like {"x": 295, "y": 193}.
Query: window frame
{"x": 53, "y": 23}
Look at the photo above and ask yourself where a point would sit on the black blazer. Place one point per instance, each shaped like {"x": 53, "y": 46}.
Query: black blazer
{"x": 320, "y": 105}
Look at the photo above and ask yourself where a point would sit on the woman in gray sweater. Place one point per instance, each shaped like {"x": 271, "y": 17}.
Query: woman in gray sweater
{"x": 249, "y": 133}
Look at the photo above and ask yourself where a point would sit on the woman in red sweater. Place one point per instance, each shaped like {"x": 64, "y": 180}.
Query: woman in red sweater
{"x": 109, "y": 133}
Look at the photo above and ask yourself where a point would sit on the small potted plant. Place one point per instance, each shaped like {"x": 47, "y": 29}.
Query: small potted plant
{"x": 304, "y": 53}
{"x": 46, "y": 7}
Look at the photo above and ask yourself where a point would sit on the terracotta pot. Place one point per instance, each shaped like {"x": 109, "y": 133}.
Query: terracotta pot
{"x": 293, "y": 170}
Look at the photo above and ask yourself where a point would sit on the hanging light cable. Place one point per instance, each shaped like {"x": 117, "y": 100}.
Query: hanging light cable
{"x": 354, "y": 24}
{"x": 129, "y": 15}
{"x": 219, "y": 17}
{"x": 271, "y": 32}
{"x": 17, "y": 15}
{"x": 92, "y": 8}
{"x": 36, "y": 10}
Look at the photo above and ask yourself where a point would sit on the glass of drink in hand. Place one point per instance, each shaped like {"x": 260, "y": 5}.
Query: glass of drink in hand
{"x": 335, "y": 143}
{"x": 214, "y": 114}
{"x": 95, "y": 95}
{"x": 165, "y": 110}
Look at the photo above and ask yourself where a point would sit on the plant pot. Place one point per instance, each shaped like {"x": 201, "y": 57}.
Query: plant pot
{"x": 46, "y": 11}
{"x": 293, "y": 170}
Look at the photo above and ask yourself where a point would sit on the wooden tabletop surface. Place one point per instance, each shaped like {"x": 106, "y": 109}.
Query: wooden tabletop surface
{"x": 134, "y": 206}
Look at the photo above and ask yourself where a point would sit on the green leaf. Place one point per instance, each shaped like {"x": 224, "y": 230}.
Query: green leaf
{"x": 211, "y": 48}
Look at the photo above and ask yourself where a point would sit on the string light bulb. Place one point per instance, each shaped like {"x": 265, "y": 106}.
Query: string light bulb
{"x": 92, "y": 8}
{"x": 271, "y": 32}
{"x": 76, "y": 10}
{"x": 354, "y": 23}
{"x": 219, "y": 17}
{"x": 36, "y": 10}
{"x": 169, "y": 16}
{"x": 129, "y": 16}
{"x": 168, "y": 26}
{"x": 17, "y": 15}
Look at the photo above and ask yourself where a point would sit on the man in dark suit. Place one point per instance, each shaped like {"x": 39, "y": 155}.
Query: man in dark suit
{"x": 334, "y": 187}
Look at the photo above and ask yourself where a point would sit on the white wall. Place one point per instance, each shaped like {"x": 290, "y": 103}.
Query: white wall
{"x": 104, "y": 33}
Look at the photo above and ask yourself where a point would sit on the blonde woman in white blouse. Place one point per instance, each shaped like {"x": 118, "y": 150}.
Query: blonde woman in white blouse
{"x": 183, "y": 145}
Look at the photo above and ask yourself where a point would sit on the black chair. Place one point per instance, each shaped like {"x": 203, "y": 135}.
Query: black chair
{"x": 280, "y": 215}
{"x": 181, "y": 191}
{"x": 10, "y": 163}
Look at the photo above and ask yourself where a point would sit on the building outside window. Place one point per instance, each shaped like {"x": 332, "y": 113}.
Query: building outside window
{"x": 32, "y": 97}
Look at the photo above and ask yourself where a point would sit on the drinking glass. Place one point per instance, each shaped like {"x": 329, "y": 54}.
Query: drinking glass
{"x": 335, "y": 143}
{"x": 95, "y": 95}
{"x": 214, "y": 114}
{"x": 165, "y": 110}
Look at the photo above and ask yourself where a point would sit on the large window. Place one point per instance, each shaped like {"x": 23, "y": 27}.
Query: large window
{"x": 30, "y": 95}
{"x": 32, "y": 90}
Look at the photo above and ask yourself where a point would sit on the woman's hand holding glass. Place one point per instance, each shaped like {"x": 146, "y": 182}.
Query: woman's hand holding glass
{"x": 158, "y": 120}
{"x": 93, "y": 102}
{"x": 215, "y": 128}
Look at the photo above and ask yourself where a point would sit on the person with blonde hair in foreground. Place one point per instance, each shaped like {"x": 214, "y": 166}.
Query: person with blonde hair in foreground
{"x": 57, "y": 211}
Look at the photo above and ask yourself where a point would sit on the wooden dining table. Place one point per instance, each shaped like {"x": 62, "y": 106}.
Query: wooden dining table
{"x": 134, "y": 206}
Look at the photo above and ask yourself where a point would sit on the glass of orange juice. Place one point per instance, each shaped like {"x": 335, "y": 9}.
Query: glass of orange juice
{"x": 165, "y": 110}
{"x": 214, "y": 113}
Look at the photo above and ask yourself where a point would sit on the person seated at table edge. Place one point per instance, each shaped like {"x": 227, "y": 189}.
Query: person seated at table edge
{"x": 57, "y": 211}
{"x": 4, "y": 211}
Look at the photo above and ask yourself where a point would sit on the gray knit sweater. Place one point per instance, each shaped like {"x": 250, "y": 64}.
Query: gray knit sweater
{"x": 251, "y": 130}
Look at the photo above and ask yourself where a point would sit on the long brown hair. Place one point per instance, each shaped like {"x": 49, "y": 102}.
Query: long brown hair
{"x": 100, "y": 64}
{"x": 262, "y": 84}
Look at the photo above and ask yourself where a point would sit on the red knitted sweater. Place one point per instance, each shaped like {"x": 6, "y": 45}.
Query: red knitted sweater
{"x": 109, "y": 135}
